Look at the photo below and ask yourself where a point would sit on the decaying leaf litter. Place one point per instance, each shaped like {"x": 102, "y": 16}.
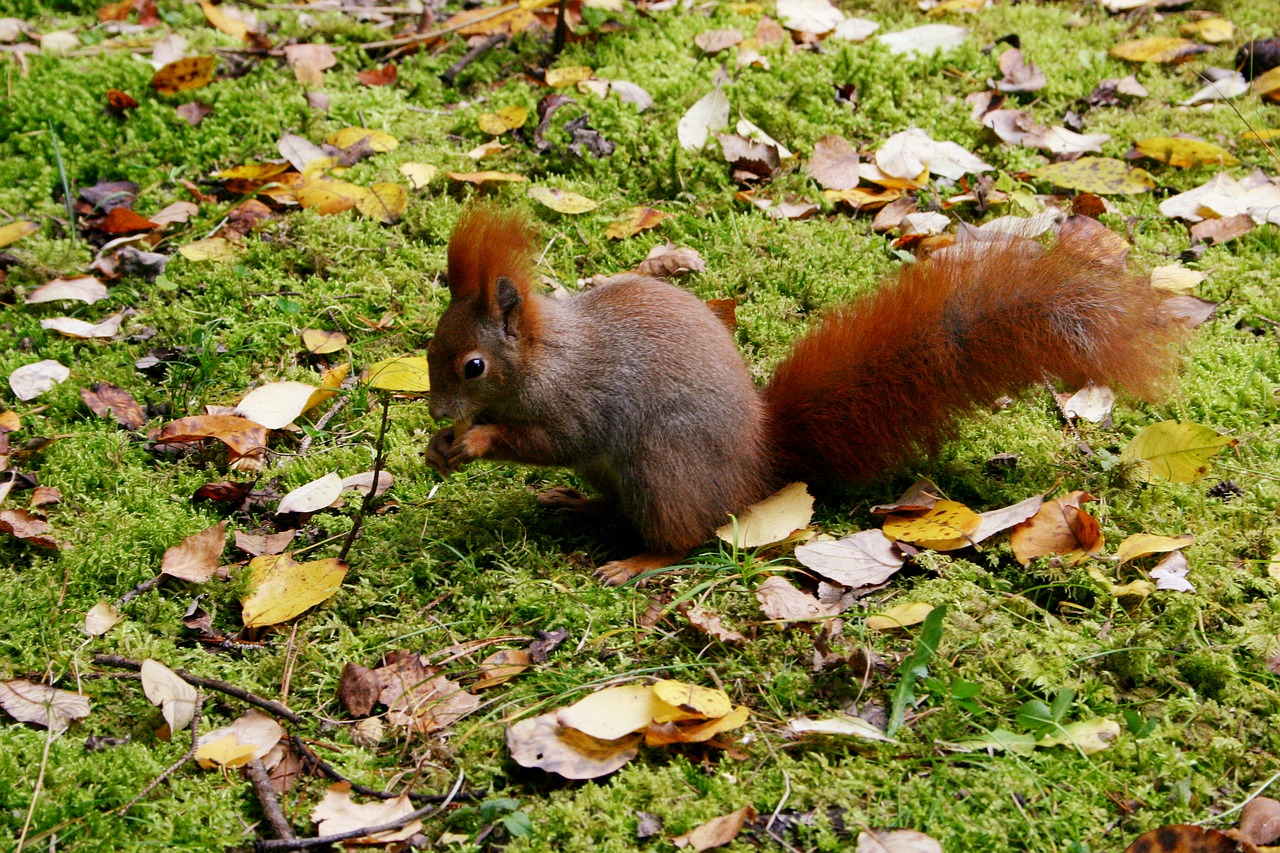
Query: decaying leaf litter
{"x": 219, "y": 307}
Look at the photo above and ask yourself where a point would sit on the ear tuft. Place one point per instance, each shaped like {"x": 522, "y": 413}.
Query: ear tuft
{"x": 488, "y": 244}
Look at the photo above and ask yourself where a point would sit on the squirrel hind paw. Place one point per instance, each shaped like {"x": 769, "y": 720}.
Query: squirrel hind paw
{"x": 618, "y": 572}
{"x": 567, "y": 500}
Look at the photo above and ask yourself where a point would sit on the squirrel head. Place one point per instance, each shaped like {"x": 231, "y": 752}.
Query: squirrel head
{"x": 477, "y": 357}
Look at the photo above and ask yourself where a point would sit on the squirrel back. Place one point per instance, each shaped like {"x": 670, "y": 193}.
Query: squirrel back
{"x": 889, "y": 377}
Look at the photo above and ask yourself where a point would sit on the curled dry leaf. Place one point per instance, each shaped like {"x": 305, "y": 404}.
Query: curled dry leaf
{"x": 1171, "y": 573}
{"x": 250, "y": 736}
{"x": 501, "y": 666}
{"x": 242, "y": 436}
{"x": 1061, "y": 527}
{"x": 26, "y": 526}
{"x": 81, "y": 288}
{"x": 636, "y": 219}
{"x": 1019, "y": 75}
{"x": 101, "y": 618}
{"x": 773, "y": 519}
{"x": 485, "y": 177}
{"x": 708, "y": 622}
{"x": 283, "y": 588}
{"x": 32, "y": 380}
{"x": 716, "y": 832}
{"x": 197, "y": 557}
{"x": 105, "y": 399}
{"x": 314, "y": 496}
{"x": 73, "y": 328}
{"x": 42, "y": 705}
{"x": 866, "y": 558}
{"x": 996, "y": 520}
{"x": 337, "y": 812}
{"x": 667, "y": 261}
{"x": 542, "y": 742}
{"x": 165, "y": 689}
{"x": 781, "y": 601}
{"x": 840, "y": 724}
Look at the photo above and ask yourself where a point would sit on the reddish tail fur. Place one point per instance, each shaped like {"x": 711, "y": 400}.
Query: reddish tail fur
{"x": 887, "y": 378}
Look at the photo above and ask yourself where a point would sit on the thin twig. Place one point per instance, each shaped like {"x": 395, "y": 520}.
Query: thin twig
{"x": 442, "y": 31}
{"x": 268, "y": 800}
{"x": 370, "y": 495}
{"x": 35, "y": 794}
{"x": 138, "y": 590}
{"x": 313, "y": 763}
{"x": 320, "y": 424}
{"x": 471, "y": 56}
{"x": 269, "y": 705}
{"x": 320, "y": 7}
{"x": 389, "y": 826}
{"x": 172, "y": 768}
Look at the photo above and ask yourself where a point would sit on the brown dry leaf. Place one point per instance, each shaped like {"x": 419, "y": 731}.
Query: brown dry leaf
{"x": 1260, "y": 820}
{"x": 714, "y": 41}
{"x": 73, "y": 328}
{"x": 863, "y": 559}
{"x": 501, "y": 666}
{"x": 26, "y": 526}
{"x": 569, "y": 76}
{"x": 781, "y": 601}
{"x": 243, "y": 437}
{"x": 667, "y": 262}
{"x": 920, "y": 495}
{"x": 862, "y": 198}
{"x": 191, "y": 72}
{"x": 708, "y": 622}
{"x": 716, "y": 832}
{"x": 1187, "y": 838}
{"x": 900, "y": 616}
{"x": 997, "y": 520}
{"x": 337, "y": 812}
{"x": 777, "y": 517}
{"x": 224, "y": 492}
{"x": 834, "y": 164}
{"x": 314, "y": 496}
{"x": 1222, "y": 230}
{"x": 178, "y": 212}
{"x": 945, "y": 526}
{"x": 1162, "y": 50}
{"x": 283, "y": 588}
{"x": 250, "y": 736}
{"x": 430, "y": 705}
{"x": 1019, "y": 75}
{"x": 309, "y": 62}
{"x": 15, "y": 231}
{"x": 636, "y": 219}
{"x": 542, "y": 742}
{"x": 384, "y": 76}
{"x": 485, "y": 177}
{"x": 197, "y": 557}
{"x": 42, "y": 705}
{"x": 1061, "y": 527}
{"x": 358, "y": 689}
{"x": 31, "y": 380}
{"x": 1178, "y": 451}
{"x": 363, "y": 483}
{"x": 9, "y": 421}
{"x": 264, "y": 544}
{"x": 101, "y": 618}
{"x": 81, "y": 288}
{"x": 165, "y": 689}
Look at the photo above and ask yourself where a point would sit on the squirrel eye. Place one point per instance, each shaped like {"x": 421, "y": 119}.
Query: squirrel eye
{"x": 473, "y": 369}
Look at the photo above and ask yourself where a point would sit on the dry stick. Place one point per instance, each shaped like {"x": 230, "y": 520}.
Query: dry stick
{"x": 305, "y": 444}
{"x": 172, "y": 768}
{"x": 313, "y": 763}
{"x": 389, "y": 826}
{"x": 35, "y": 794}
{"x": 471, "y": 56}
{"x": 370, "y": 495}
{"x": 269, "y": 705}
{"x": 443, "y": 31}
{"x": 267, "y": 798}
{"x": 138, "y": 590}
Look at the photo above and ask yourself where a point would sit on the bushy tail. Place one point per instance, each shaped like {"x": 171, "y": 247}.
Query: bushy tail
{"x": 887, "y": 378}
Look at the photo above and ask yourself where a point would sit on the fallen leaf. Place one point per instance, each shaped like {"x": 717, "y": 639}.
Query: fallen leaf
{"x": 1186, "y": 838}
{"x": 1171, "y": 573}
{"x": 83, "y": 288}
{"x": 1260, "y": 820}
{"x": 337, "y": 812}
{"x": 502, "y": 666}
{"x": 422, "y": 701}
{"x": 31, "y": 380}
{"x": 1100, "y": 175}
{"x": 1092, "y": 402}
{"x": 665, "y": 734}
{"x": 781, "y": 601}
{"x": 26, "y": 526}
{"x": 73, "y": 328}
{"x": 708, "y": 115}
{"x": 1232, "y": 85}
{"x": 191, "y": 72}
{"x": 244, "y": 437}
{"x": 275, "y": 405}
{"x": 101, "y": 618}
{"x": 900, "y": 616}
{"x": 208, "y": 249}
{"x": 314, "y": 496}
{"x": 714, "y": 41}
{"x": 1162, "y": 50}
{"x": 384, "y": 76}
{"x": 250, "y": 736}
{"x": 349, "y": 137}
{"x": 562, "y": 201}
{"x": 264, "y": 544}
{"x": 709, "y": 623}
{"x": 559, "y": 78}
{"x": 841, "y": 724}
{"x": 1145, "y": 544}
{"x": 1184, "y": 152}
{"x": 636, "y": 219}
{"x": 542, "y": 742}
{"x": 895, "y": 841}
{"x": 328, "y": 196}
{"x": 42, "y": 705}
{"x": 630, "y": 93}
{"x": 404, "y": 373}
{"x": 809, "y": 16}
{"x": 1222, "y": 196}
{"x": 1061, "y": 527}
{"x": 197, "y": 557}
{"x": 666, "y": 262}
{"x": 384, "y": 201}
{"x": 322, "y": 342}
{"x": 283, "y": 588}
{"x": 1088, "y": 736}
{"x": 1019, "y": 75}
{"x": 165, "y": 689}
{"x": 485, "y": 177}
{"x": 945, "y": 526}
{"x": 1178, "y": 451}
{"x": 925, "y": 40}
{"x": 507, "y": 118}
{"x": 693, "y": 701}
{"x": 613, "y": 712}
{"x": 1217, "y": 231}
{"x": 866, "y": 558}
{"x": 418, "y": 174}
{"x": 1213, "y": 30}
{"x": 716, "y": 832}
{"x": 771, "y": 520}
{"x": 855, "y": 29}
{"x": 15, "y": 231}
{"x": 834, "y": 164}
{"x": 363, "y": 483}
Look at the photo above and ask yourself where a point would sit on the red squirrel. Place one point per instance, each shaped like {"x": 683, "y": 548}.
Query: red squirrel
{"x": 639, "y": 388}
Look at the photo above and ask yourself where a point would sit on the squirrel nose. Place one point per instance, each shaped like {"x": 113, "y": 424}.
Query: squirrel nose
{"x": 437, "y": 408}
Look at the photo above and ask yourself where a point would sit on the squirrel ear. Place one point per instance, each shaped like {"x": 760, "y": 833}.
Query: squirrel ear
{"x": 507, "y": 300}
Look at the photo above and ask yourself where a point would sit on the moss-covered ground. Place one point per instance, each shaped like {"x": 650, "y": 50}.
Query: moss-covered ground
{"x": 471, "y": 557}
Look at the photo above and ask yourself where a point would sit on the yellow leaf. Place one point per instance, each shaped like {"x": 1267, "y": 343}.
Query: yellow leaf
{"x": 226, "y": 751}
{"x": 1100, "y": 175}
{"x": 900, "y": 616}
{"x": 862, "y": 198}
{"x": 1265, "y": 133}
{"x": 1088, "y": 736}
{"x": 1162, "y": 50}
{"x": 692, "y": 699}
{"x": 637, "y": 219}
{"x": 661, "y": 734}
{"x": 1178, "y": 451}
{"x": 250, "y": 736}
{"x": 233, "y": 27}
{"x": 944, "y": 526}
{"x": 328, "y": 196}
{"x": 405, "y": 373}
{"x": 284, "y": 588}
{"x": 485, "y": 177}
{"x": 385, "y": 202}
{"x": 1209, "y": 30}
{"x": 1184, "y": 153}
{"x": 276, "y": 404}
{"x": 773, "y": 519}
{"x": 562, "y": 201}
{"x": 1146, "y": 544}
{"x": 1267, "y": 85}
{"x": 192, "y": 72}
{"x": 419, "y": 174}
{"x": 491, "y": 147}
{"x": 349, "y": 136}
{"x": 322, "y": 342}
{"x": 507, "y": 118}
{"x": 611, "y": 713}
{"x": 210, "y": 249}
{"x": 568, "y": 76}
{"x": 15, "y": 231}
